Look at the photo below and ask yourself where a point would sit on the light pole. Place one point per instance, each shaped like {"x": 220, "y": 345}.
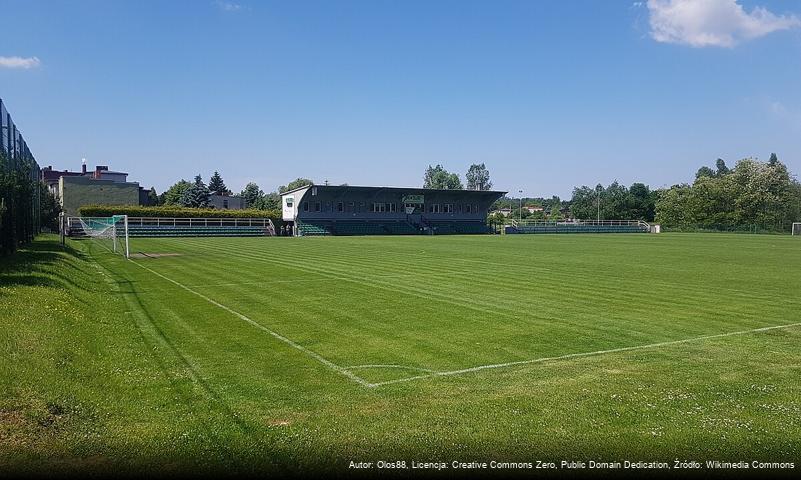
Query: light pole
{"x": 598, "y": 195}
{"x": 521, "y": 205}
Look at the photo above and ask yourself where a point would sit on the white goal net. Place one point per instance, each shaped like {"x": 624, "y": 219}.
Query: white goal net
{"x": 111, "y": 232}
{"x": 796, "y": 229}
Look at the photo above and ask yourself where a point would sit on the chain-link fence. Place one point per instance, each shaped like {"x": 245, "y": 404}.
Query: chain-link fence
{"x": 20, "y": 201}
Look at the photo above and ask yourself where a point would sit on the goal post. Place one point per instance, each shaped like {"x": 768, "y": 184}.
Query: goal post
{"x": 796, "y": 229}
{"x": 111, "y": 232}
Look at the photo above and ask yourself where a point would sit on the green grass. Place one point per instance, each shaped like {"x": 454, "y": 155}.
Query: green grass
{"x": 106, "y": 365}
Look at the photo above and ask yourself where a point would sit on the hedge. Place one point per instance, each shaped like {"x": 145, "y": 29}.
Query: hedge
{"x": 176, "y": 212}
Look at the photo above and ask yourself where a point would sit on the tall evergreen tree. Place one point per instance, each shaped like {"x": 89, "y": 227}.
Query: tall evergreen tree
{"x": 197, "y": 196}
{"x": 217, "y": 185}
{"x": 153, "y": 198}
{"x": 774, "y": 160}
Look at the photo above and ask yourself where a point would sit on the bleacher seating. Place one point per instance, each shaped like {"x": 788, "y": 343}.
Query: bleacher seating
{"x": 311, "y": 229}
{"x": 577, "y": 228}
{"x": 194, "y": 231}
{"x": 451, "y": 228}
{"x": 401, "y": 228}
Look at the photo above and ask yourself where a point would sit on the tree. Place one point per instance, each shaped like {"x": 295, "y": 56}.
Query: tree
{"x": 753, "y": 193}
{"x": 153, "y": 198}
{"x": 197, "y": 195}
{"x": 270, "y": 201}
{"x": 175, "y": 193}
{"x": 616, "y": 202}
{"x": 641, "y": 202}
{"x": 774, "y": 160}
{"x": 252, "y": 195}
{"x": 439, "y": 178}
{"x": 556, "y": 213}
{"x": 217, "y": 185}
{"x": 297, "y": 183}
{"x": 478, "y": 177}
{"x": 721, "y": 166}
{"x": 50, "y": 208}
{"x": 705, "y": 172}
{"x": 583, "y": 203}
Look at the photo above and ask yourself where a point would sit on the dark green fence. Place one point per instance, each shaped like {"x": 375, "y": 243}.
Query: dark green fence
{"x": 20, "y": 201}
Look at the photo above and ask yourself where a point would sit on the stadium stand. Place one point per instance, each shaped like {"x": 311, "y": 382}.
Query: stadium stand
{"x": 603, "y": 226}
{"x": 356, "y": 210}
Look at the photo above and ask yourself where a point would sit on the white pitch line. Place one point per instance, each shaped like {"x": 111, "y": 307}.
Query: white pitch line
{"x": 356, "y": 367}
{"x": 314, "y": 355}
{"x": 324, "y": 279}
{"x": 582, "y": 354}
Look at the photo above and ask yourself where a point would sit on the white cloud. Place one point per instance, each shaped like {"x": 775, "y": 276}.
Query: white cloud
{"x": 717, "y": 23}
{"x": 19, "y": 62}
{"x": 789, "y": 115}
{"x": 228, "y": 6}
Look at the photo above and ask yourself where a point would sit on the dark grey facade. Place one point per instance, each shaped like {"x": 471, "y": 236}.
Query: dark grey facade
{"x": 227, "y": 202}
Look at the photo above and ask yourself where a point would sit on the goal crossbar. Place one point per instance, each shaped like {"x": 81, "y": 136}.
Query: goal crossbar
{"x": 114, "y": 228}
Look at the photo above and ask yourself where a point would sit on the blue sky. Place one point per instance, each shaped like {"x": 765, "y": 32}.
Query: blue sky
{"x": 549, "y": 94}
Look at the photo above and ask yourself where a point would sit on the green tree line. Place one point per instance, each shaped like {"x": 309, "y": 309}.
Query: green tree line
{"x": 762, "y": 195}
{"x": 197, "y": 194}
{"x": 753, "y": 195}
{"x": 615, "y": 202}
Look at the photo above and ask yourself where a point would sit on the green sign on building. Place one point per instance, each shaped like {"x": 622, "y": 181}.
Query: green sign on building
{"x": 413, "y": 199}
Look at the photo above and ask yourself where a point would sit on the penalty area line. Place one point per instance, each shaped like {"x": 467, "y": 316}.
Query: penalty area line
{"x": 582, "y": 354}
{"x": 314, "y": 355}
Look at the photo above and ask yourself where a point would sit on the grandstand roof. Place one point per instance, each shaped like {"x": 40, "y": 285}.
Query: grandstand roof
{"x": 405, "y": 189}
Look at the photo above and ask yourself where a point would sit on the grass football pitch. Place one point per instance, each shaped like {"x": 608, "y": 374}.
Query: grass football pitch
{"x": 286, "y": 353}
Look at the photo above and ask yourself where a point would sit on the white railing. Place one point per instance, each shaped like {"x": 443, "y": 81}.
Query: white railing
{"x": 600, "y": 223}
{"x": 265, "y": 223}
{"x": 606, "y": 223}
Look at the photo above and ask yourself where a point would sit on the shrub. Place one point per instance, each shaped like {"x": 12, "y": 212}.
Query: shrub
{"x": 176, "y": 212}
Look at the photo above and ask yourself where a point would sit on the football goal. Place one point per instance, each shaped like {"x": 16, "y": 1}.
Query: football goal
{"x": 111, "y": 232}
{"x": 797, "y": 229}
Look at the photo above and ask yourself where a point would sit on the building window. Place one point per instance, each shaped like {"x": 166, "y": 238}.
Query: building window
{"x": 340, "y": 207}
{"x": 225, "y": 203}
{"x": 305, "y": 206}
{"x": 317, "y": 206}
{"x": 391, "y": 207}
{"x": 314, "y": 191}
{"x": 435, "y": 208}
{"x": 379, "y": 207}
{"x": 448, "y": 208}
{"x": 467, "y": 208}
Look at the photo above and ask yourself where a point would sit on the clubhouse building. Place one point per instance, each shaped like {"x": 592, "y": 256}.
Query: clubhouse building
{"x": 351, "y": 210}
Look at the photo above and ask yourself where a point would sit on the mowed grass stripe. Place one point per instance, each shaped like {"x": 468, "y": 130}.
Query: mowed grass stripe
{"x": 375, "y": 262}
{"x": 600, "y": 291}
{"x": 337, "y": 270}
{"x": 691, "y": 292}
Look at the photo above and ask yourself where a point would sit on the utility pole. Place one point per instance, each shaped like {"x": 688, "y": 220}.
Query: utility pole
{"x": 598, "y": 196}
